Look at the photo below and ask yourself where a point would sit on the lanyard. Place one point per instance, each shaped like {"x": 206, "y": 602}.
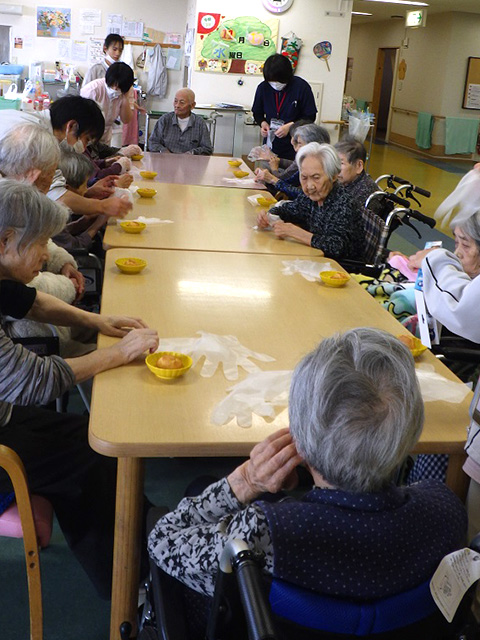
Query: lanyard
{"x": 279, "y": 106}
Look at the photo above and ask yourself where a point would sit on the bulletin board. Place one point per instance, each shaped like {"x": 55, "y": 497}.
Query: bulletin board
{"x": 471, "y": 94}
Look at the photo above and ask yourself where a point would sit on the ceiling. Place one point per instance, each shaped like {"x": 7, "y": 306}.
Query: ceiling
{"x": 383, "y": 11}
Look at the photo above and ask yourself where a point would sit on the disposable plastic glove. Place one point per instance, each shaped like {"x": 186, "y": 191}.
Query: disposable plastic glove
{"x": 131, "y": 150}
{"x": 262, "y": 393}
{"x": 216, "y": 349}
{"x": 307, "y": 268}
{"x": 434, "y": 386}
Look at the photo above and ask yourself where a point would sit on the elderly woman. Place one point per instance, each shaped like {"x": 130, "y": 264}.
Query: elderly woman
{"x": 54, "y": 446}
{"x": 324, "y": 216}
{"x": 353, "y": 176}
{"x": 355, "y": 412}
{"x": 288, "y": 180}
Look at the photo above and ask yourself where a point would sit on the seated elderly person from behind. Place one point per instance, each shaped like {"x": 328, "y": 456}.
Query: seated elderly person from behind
{"x": 353, "y": 176}
{"x": 288, "y": 181}
{"x": 324, "y": 216}
{"x": 355, "y": 412}
{"x": 181, "y": 131}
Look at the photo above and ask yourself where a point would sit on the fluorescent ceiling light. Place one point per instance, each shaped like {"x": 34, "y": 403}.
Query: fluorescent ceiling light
{"x": 361, "y": 13}
{"x": 417, "y": 4}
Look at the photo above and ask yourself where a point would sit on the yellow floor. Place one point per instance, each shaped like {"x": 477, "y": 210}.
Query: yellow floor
{"x": 387, "y": 159}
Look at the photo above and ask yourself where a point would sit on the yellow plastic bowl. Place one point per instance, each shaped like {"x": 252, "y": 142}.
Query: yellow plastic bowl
{"x": 266, "y": 202}
{"x": 148, "y": 175}
{"x": 240, "y": 174}
{"x": 168, "y": 374}
{"x": 132, "y": 226}
{"x": 137, "y": 156}
{"x": 130, "y": 265}
{"x": 414, "y": 344}
{"x": 146, "y": 193}
{"x": 334, "y": 278}
{"x": 234, "y": 163}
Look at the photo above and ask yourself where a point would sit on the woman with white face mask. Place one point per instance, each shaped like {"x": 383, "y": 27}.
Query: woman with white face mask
{"x": 113, "y": 49}
{"x": 280, "y": 100}
{"x": 112, "y": 94}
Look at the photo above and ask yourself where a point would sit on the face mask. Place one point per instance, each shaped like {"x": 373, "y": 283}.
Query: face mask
{"x": 113, "y": 93}
{"x": 78, "y": 146}
{"x": 110, "y": 59}
{"x": 278, "y": 86}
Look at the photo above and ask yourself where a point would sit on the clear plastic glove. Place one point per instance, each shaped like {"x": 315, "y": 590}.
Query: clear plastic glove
{"x": 148, "y": 221}
{"x": 125, "y": 163}
{"x": 123, "y": 193}
{"x": 435, "y": 387}
{"x": 261, "y": 153}
{"x": 262, "y": 393}
{"x": 307, "y": 268}
{"x": 216, "y": 349}
{"x": 131, "y": 150}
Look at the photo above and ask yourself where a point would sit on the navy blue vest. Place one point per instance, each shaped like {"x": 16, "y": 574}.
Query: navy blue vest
{"x": 365, "y": 546}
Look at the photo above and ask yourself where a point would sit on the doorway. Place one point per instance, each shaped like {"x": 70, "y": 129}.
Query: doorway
{"x": 382, "y": 89}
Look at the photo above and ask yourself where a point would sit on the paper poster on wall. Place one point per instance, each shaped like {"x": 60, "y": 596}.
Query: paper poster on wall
{"x": 114, "y": 23}
{"x": 96, "y": 50}
{"x": 132, "y": 29}
{"x": 80, "y": 50}
{"x": 53, "y": 22}
{"x": 18, "y": 43}
{"x": 234, "y": 45}
{"x": 64, "y": 49}
{"x": 91, "y": 16}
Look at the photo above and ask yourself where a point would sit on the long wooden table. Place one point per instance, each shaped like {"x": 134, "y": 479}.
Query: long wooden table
{"x": 205, "y": 171}
{"x": 206, "y": 219}
{"x": 135, "y": 415}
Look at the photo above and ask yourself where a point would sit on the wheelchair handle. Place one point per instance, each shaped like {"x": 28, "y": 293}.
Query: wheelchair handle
{"x": 388, "y": 196}
{"x": 421, "y": 192}
{"x": 412, "y": 213}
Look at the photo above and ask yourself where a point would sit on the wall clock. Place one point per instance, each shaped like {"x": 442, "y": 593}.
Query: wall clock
{"x": 277, "y": 6}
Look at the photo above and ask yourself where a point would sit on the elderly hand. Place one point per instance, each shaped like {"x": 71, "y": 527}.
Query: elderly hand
{"x": 288, "y": 230}
{"x": 131, "y": 150}
{"x": 271, "y": 468}
{"x": 76, "y": 277}
{"x": 274, "y": 163}
{"x": 111, "y": 160}
{"x": 136, "y": 342}
{"x": 415, "y": 260}
{"x": 125, "y": 181}
{"x": 262, "y": 220}
{"x": 102, "y": 188}
{"x": 284, "y": 130}
{"x": 264, "y": 175}
{"x": 264, "y": 128}
{"x": 114, "y": 207}
{"x": 117, "y": 326}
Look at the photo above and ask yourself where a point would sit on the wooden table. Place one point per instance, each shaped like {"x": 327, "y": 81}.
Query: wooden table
{"x": 135, "y": 415}
{"x": 205, "y": 171}
{"x": 209, "y": 219}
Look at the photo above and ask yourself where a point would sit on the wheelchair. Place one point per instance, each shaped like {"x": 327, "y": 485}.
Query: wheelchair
{"x": 247, "y": 605}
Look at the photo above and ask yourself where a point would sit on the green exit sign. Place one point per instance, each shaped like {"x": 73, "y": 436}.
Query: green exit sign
{"x": 416, "y": 18}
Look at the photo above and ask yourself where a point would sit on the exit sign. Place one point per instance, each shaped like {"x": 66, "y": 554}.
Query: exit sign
{"x": 416, "y": 18}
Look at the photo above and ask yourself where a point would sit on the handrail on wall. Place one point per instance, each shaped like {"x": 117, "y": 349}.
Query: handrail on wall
{"x": 409, "y": 112}
{"x": 140, "y": 43}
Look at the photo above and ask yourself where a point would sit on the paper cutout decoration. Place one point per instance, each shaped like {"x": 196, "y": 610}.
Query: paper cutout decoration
{"x": 323, "y": 50}
{"x": 291, "y": 45}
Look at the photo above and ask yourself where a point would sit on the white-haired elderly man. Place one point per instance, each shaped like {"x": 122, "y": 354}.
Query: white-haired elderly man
{"x": 181, "y": 131}
{"x": 324, "y": 216}
{"x": 30, "y": 153}
{"x": 355, "y": 411}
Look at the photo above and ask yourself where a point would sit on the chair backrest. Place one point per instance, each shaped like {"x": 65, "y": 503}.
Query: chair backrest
{"x": 12, "y": 464}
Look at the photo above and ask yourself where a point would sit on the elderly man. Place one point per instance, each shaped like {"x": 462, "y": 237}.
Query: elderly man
{"x": 181, "y": 131}
{"x": 75, "y": 122}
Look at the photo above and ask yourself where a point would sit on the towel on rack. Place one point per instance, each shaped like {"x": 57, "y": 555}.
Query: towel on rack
{"x": 461, "y": 135}
{"x": 157, "y": 72}
{"x": 361, "y": 104}
{"x": 423, "y": 139}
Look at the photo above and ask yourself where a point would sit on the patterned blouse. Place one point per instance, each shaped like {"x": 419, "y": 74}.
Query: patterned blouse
{"x": 337, "y": 225}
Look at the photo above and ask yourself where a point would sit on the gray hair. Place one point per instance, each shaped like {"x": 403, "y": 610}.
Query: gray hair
{"x": 311, "y": 133}
{"x": 75, "y": 167}
{"x": 325, "y": 154}
{"x": 470, "y": 226}
{"x": 355, "y": 408}
{"x": 26, "y": 147}
{"x": 29, "y": 212}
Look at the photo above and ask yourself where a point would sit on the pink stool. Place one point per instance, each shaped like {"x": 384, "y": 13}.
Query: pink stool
{"x": 11, "y": 527}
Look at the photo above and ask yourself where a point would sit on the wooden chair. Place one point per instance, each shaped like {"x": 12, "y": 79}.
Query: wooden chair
{"x": 12, "y": 464}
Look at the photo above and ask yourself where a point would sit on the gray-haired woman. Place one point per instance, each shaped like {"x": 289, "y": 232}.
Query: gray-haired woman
{"x": 288, "y": 180}
{"x": 324, "y": 216}
{"x": 53, "y": 446}
{"x": 355, "y": 412}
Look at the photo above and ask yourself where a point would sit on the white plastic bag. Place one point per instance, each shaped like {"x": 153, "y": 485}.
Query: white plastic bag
{"x": 12, "y": 93}
{"x": 359, "y": 125}
{"x": 261, "y": 153}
